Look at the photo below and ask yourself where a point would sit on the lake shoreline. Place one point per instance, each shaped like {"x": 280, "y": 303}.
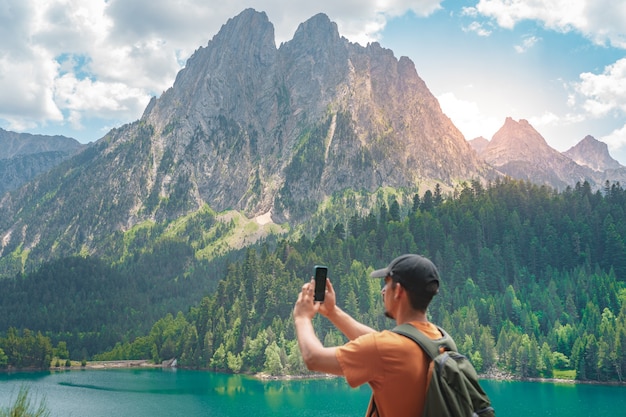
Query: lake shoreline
{"x": 495, "y": 375}
{"x": 498, "y": 375}
{"x": 94, "y": 365}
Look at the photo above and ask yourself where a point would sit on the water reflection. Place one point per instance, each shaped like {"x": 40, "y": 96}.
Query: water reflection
{"x": 157, "y": 393}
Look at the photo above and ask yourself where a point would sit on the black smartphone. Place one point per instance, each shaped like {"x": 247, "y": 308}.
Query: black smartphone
{"x": 321, "y": 272}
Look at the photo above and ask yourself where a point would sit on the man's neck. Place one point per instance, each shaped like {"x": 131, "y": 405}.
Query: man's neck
{"x": 411, "y": 315}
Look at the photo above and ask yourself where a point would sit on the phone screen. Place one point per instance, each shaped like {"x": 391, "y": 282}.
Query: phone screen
{"x": 320, "y": 282}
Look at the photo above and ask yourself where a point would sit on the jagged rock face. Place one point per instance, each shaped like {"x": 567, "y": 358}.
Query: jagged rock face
{"x": 592, "y": 153}
{"x": 519, "y": 151}
{"x": 279, "y": 129}
{"x": 251, "y": 127}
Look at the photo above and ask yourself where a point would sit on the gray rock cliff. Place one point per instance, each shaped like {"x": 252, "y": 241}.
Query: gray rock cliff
{"x": 280, "y": 129}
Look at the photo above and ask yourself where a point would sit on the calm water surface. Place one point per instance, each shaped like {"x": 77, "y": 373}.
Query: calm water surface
{"x": 156, "y": 392}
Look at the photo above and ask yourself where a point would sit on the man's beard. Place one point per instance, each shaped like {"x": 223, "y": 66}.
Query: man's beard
{"x": 388, "y": 315}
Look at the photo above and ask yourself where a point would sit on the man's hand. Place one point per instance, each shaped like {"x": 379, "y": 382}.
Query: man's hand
{"x": 327, "y": 308}
{"x": 315, "y": 355}
{"x": 305, "y": 307}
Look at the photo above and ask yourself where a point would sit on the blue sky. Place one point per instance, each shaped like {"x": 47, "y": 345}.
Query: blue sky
{"x": 482, "y": 72}
{"x": 79, "y": 68}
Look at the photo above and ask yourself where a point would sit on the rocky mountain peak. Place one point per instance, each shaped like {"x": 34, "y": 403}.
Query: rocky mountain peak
{"x": 317, "y": 31}
{"x": 519, "y": 151}
{"x": 479, "y": 144}
{"x": 247, "y": 33}
{"x": 592, "y": 153}
{"x": 516, "y": 141}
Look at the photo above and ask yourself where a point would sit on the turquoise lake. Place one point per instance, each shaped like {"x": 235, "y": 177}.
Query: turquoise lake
{"x": 157, "y": 392}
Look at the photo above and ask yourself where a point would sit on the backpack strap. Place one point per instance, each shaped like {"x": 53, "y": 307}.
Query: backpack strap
{"x": 372, "y": 411}
{"x": 432, "y": 347}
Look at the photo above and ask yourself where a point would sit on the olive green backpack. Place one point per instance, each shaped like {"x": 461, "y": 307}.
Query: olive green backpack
{"x": 453, "y": 389}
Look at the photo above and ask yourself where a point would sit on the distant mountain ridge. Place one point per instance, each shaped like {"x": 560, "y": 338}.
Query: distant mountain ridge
{"x": 14, "y": 144}
{"x": 23, "y": 156}
{"x": 592, "y": 153}
{"x": 519, "y": 151}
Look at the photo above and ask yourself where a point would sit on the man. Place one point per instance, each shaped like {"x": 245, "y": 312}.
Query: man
{"x": 393, "y": 365}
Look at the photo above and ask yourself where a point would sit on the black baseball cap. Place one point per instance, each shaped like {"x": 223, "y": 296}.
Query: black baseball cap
{"x": 414, "y": 272}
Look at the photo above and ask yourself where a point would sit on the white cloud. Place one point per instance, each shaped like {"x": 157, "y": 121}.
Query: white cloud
{"x": 477, "y": 28}
{"x": 469, "y": 11}
{"x": 616, "y": 140}
{"x": 556, "y": 14}
{"x": 527, "y": 43}
{"x": 26, "y": 72}
{"x": 546, "y": 119}
{"x": 87, "y": 98}
{"x": 606, "y": 92}
{"x": 603, "y": 21}
{"x": 27, "y": 89}
{"x": 14, "y": 25}
{"x": 606, "y": 22}
{"x": 468, "y": 118}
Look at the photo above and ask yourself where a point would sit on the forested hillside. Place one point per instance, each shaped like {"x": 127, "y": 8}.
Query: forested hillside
{"x": 533, "y": 281}
{"x": 92, "y": 303}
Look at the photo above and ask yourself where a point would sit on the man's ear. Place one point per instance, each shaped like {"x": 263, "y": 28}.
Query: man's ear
{"x": 399, "y": 289}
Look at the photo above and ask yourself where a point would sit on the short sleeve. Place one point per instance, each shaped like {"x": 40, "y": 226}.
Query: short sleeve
{"x": 360, "y": 360}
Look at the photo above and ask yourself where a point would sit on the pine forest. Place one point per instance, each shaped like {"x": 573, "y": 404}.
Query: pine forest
{"x": 533, "y": 285}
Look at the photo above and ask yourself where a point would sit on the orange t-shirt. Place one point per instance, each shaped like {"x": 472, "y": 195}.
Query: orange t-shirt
{"x": 395, "y": 367}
